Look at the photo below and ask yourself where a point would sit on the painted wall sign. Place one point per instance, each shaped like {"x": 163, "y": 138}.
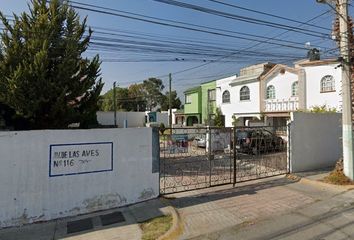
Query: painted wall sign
{"x": 80, "y": 158}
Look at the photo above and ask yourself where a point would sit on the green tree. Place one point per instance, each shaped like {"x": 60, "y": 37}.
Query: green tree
{"x": 43, "y": 75}
{"x": 235, "y": 121}
{"x": 219, "y": 120}
{"x": 176, "y": 102}
{"x": 153, "y": 92}
{"x": 122, "y": 100}
{"x": 322, "y": 109}
{"x": 137, "y": 92}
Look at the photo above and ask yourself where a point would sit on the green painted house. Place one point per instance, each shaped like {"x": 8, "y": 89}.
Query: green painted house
{"x": 193, "y": 106}
{"x": 208, "y": 102}
{"x": 196, "y": 105}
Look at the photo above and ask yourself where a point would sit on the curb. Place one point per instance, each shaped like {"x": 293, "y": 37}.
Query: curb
{"x": 177, "y": 227}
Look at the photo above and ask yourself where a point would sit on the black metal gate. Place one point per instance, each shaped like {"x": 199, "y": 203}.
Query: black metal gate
{"x": 194, "y": 158}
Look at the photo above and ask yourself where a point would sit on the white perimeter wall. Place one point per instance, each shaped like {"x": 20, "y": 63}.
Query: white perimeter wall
{"x": 315, "y": 140}
{"x": 135, "y": 119}
{"x": 28, "y": 194}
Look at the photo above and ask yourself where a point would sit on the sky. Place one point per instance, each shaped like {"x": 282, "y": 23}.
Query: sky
{"x": 132, "y": 50}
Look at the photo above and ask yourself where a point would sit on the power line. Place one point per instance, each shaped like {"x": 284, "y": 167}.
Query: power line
{"x": 268, "y": 14}
{"x": 169, "y": 23}
{"x": 243, "y": 18}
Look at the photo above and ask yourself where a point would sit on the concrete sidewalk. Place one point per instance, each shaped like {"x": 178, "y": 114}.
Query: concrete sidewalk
{"x": 212, "y": 210}
{"x": 114, "y": 224}
{"x": 214, "y": 213}
{"x": 331, "y": 218}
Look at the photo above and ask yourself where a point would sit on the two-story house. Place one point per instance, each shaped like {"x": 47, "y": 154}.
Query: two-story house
{"x": 266, "y": 93}
{"x": 308, "y": 84}
{"x": 199, "y": 105}
{"x": 238, "y": 97}
{"x": 192, "y": 113}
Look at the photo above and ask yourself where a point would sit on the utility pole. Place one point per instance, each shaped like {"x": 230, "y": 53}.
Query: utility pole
{"x": 115, "y": 104}
{"x": 208, "y": 107}
{"x": 170, "y": 100}
{"x": 347, "y": 127}
{"x": 348, "y": 156}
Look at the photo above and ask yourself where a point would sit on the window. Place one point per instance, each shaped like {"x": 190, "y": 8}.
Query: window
{"x": 327, "y": 84}
{"x": 226, "y": 97}
{"x": 270, "y": 92}
{"x": 212, "y": 95}
{"x": 244, "y": 93}
{"x": 294, "y": 88}
{"x": 188, "y": 99}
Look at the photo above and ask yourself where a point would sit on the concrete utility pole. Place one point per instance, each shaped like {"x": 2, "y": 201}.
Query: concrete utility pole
{"x": 347, "y": 127}
{"x": 170, "y": 100}
{"x": 208, "y": 107}
{"x": 115, "y": 104}
{"x": 348, "y": 157}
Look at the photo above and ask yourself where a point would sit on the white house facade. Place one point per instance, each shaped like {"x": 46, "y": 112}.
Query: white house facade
{"x": 239, "y": 96}
{"x": 265, "y": 94}
{"x": 323, "y": 83}
{"x": 225, "y": 98}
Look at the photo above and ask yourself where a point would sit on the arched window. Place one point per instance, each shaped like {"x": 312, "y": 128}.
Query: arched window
{"x": 226, "y": 97}
{"x": 294, "y": 88}
{"x": 327, "y": 84}
{"x": 244, "y": 93}
{"x": 270, "y": 92}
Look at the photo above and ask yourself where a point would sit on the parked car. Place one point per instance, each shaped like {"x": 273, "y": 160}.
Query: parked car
{"x": 200, "y": 141}
{"x": 254, "y": 141}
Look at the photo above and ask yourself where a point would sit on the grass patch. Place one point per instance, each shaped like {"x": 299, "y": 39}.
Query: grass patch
{"x": 156, "y": 227}
{"x": 337, "y": 176}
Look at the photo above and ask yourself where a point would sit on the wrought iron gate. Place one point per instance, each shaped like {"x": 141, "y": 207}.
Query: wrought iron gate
{"x": 194, "y": 158}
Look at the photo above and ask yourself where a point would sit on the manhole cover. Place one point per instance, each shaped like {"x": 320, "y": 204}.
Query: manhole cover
{"x": 112, "y": 218}
{"x": 79, "y": 225}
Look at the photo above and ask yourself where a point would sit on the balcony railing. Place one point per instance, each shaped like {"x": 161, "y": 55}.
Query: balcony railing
{"x": 281, "y": 105}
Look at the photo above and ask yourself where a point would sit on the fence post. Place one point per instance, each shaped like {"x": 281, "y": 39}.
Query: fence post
{"x": 209, "y": 151}
{"x": 234, "y": 153}
{"x": 288, "y": 165}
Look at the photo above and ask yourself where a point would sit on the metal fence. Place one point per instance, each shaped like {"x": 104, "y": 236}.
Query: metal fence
{"x": 193, "y": 158}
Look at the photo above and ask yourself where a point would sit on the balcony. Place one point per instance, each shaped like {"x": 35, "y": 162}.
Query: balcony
{"x": 281, "y": 105}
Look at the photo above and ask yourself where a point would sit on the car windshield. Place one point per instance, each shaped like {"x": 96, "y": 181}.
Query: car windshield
{"x": 242, "y": 134}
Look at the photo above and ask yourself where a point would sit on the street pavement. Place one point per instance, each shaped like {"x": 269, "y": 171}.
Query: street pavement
{"x": 332, "y": 219}
{"x": 272, "y": 208}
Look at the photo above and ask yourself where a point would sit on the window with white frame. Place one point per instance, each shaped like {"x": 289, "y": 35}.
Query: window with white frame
{"x": 244, "y": 93}
{"x": 271, "y": 92}
{"x": 212, "y": 95}
{"x": 188, "y": 98}
{"x": 327, "y": 84}
{"x": 294, "y": 88}
{"x": 226, "y": 97}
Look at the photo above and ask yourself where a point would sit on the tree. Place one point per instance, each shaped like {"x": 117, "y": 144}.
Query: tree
{"x": 322, "y": 109}
{"x": 43, "y": 75}
{"x": 175, "y": 101}
{"x": 152, "y": 92}
{"x": 219, "y": 120}
{"x": 122, "y": 100}
{"x": 137, "y": 92}
{"x": 235, "y": 121}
